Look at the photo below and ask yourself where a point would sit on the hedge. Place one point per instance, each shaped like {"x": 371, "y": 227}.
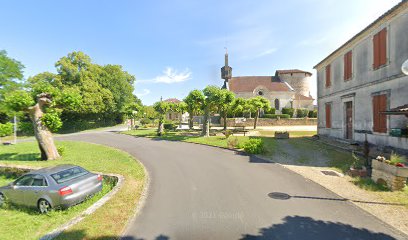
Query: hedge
{"x": 312, "y": 114}
{"x": 301, "y": 113}
{"x": 275, "y": 116}
{"x": 289, "y": 111}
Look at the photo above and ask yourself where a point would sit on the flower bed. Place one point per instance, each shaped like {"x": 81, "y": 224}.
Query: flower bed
{"x": 395, "y": 176}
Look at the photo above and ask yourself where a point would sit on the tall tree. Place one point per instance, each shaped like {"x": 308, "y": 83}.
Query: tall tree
{"x": 238, "y": 106}
{"x": 180, "y": 108}
{"x": 225, "y": 104}
{"x": 194, "y": 100}
{"x": 161, "y": 108}
{"x": 258, "y": 103}
{"x": 213, "y": 96}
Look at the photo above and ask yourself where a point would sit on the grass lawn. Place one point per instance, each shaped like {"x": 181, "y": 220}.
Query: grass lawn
{"x": 108, "y": 220}
{"x": 292, "y": 134}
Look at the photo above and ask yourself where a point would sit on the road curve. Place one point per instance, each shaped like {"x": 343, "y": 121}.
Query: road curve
{"x": 202, "y": 192}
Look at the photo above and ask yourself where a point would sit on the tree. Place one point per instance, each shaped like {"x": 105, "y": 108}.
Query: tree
{"x": 256, "y": 104}
{"x": 238, "y": 106}
{"x": 161, "y": 108}
{"x": 44, "y": 110}
{"x": 194, "y": 100}
{"x": 6, "y": 129}
{"x": 225, "y": 104}
{"x": 10, "y": 71}
{"x": 181, "y": 108}
{"x": 131, "y": 110}
{"x": 213, "y": 96}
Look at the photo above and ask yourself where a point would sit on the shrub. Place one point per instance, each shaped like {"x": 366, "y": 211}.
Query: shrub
{"x": 395, "y": 158}
{"x": 274, "y": 116}
{"x": 289, "y": 111}
{"x": 254, "y": 146}
{"x": 312, "y": 114}
{"x": 61, "y": 150}
{"x": 232, "y": 142}
{"x": 145, "y": 121}
{"x": 301, "y": 113}
{"x": 25, "y": 128}
{"x": 270, "y": 111}
{"x": 228, "y": 133}
{"x": 6, "y": 129}
{"x": 169, "y": 126}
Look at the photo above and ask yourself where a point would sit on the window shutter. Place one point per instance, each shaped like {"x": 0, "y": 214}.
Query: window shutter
{"x": 375, "y": 114}
{"x": 345, "y": 66}
{"x": 328, "y": 115}
{"x": 382, "y": 117}
{"x": 376, "y": 52}
{"x": 328, "y": 75}
{"x": 383, "y": 47}
{"x": 350, "y": 64}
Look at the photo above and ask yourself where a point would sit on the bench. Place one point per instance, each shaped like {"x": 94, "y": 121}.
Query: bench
{"x": 240, "y": 129}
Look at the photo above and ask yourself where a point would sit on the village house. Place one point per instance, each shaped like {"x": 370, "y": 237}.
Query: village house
{"x": 176, "y": 116}
{"x": 361, "y": 88}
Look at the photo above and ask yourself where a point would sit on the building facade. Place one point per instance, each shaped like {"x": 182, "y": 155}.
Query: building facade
{"x": 361, "y": 85}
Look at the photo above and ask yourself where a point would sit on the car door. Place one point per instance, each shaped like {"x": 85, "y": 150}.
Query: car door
{"x": 16, "y": 194}
{"x": 35, "y": 191}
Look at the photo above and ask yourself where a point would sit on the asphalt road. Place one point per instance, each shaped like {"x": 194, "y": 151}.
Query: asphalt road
{"x": 201, "y": 192}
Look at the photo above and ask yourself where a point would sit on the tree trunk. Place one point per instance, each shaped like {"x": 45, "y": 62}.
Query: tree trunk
{"x": 190, "y": 120}
{"x": 161, "y": 127}
{"x": 225, "y": 121}
{"x": 42, "y": 134}
{"x": 256, "y": 118}
{"x": 206, "y": 123}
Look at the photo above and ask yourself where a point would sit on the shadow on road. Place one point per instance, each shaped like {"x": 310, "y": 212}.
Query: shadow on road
{"x": 306, "y": 228}
{"x": 285, "y": 196}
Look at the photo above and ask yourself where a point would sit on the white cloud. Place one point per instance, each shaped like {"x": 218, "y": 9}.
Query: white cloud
{"x": 144, "y": 93}
{"x": 169, "y": 76}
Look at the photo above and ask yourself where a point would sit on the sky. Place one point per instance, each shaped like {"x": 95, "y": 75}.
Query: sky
{"x": 173, "y": 47}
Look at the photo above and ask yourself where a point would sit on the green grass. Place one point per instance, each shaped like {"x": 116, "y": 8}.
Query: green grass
{"x": 106, "y": 221}
{"x": 4, "y": 181}
{"x": 369, "y": 185}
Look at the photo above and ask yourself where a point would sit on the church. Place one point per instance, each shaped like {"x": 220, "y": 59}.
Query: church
{"x": 286, "y": 89}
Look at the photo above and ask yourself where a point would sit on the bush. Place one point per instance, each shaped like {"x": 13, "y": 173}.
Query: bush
{"x": 25, "y": 128}
{"x": 312, "y": 114}
{"x": 169, "y": 126}
{"x": 145, "y": 121}
{"x": 289, "y": 111}
{"x": 6, "y": 129}
{"x": 275, "y": 116}
{"x": 61, "y": 150}
{"x": 270, "y": 111}
{"x": 228, "y": 133}
{"x": 232, "y": 142}
{"x": 301, "y": 113}
{"x": 254, "y": 146}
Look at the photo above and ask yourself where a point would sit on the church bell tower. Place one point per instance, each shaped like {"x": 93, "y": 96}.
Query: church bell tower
{"x": 226, "y": 71}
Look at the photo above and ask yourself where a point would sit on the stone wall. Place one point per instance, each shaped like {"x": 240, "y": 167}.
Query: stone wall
{"x": 394, "y": 177}
{"x": 273, "y": 122}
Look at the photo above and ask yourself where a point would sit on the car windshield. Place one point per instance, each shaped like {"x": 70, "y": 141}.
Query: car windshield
{"x": 69, "y": 174}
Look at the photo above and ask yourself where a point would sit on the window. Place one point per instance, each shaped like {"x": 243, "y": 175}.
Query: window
{"x": 380, "y": 48}
{"x": 328, "y": 115}
{"x": 277, "y": 104}
{"x": 328, "y": 75}
{"x": 69, "y": 174}
{"x": 25, "y": 180}
{"x": 348, "y": 65}
{"x": 39, "y": 181}
{"x": 379, "y": 119}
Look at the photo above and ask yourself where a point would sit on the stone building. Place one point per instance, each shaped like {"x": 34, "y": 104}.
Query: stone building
{"x": 286, "y": 89}
{"x": 361, "y": 88}
{"x": 176, "y": 116}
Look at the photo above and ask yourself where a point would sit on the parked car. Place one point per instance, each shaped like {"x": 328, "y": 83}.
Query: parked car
{"x": 47, "y": 188}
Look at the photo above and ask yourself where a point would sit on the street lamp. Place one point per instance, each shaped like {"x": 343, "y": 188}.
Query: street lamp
{"x": 404, "y": 67}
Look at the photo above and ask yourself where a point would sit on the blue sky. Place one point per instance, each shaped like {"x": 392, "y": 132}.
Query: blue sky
{"x": 175, "y": 46}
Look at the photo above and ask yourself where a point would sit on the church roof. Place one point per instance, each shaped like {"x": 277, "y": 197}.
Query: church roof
{"x": 172, "y": 100}
{"x": 292, "y": 71}
{"x": 249, "y": 83}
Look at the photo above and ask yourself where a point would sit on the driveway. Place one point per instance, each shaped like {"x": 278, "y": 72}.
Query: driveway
{"x": 202, "y": 192}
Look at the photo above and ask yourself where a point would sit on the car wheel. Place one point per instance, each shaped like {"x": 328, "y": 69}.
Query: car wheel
{"x": 44, "y": 206}
{"x": 2, "y": 199}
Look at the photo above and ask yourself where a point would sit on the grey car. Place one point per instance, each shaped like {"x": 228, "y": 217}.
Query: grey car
{"x": 60, "y": 186}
